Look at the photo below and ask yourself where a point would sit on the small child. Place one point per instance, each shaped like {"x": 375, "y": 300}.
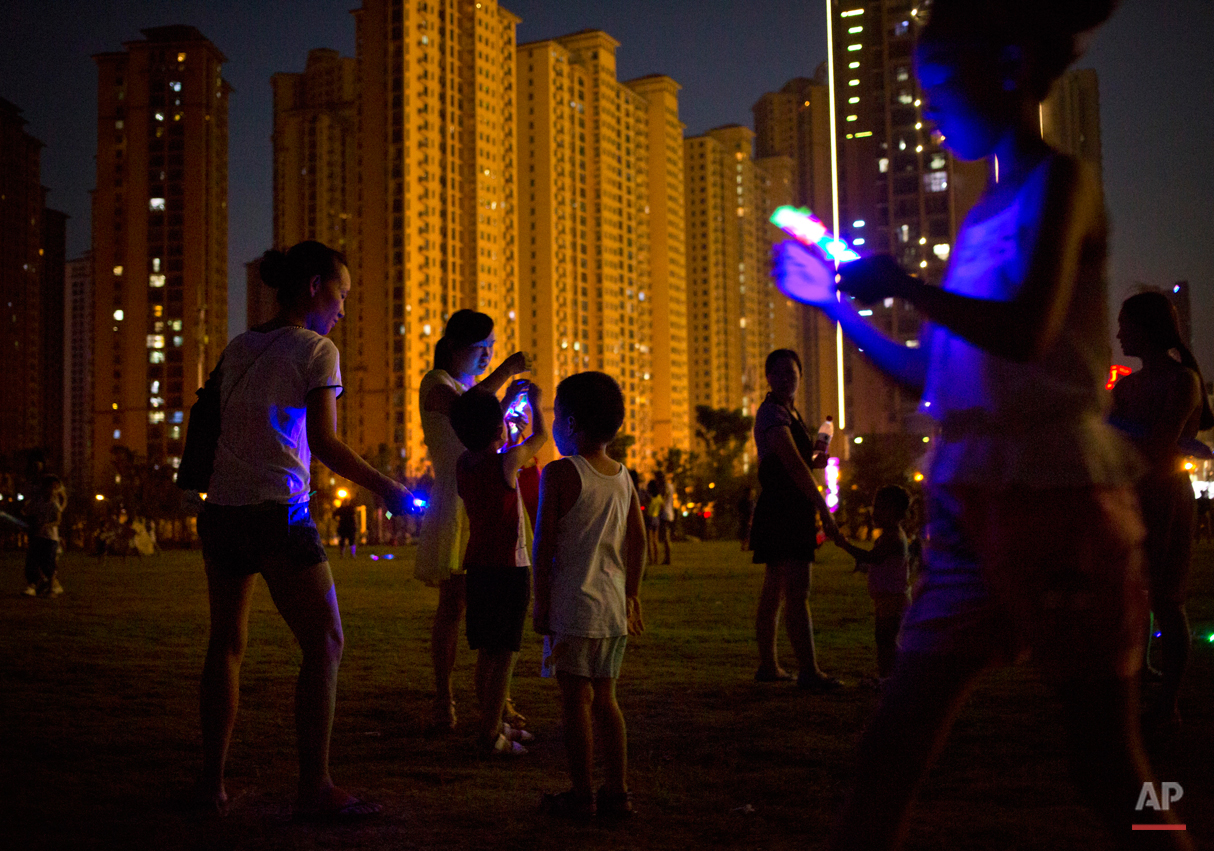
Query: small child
{"x": 42, "y": 559}
{"x": 589, "y": 556}
{"x": 653, "y": 516}
{"x": 888, "y": 567}
{"x": 497, "y": 564}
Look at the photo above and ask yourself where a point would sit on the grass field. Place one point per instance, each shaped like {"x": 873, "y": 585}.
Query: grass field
{"x": 98, "y": 723}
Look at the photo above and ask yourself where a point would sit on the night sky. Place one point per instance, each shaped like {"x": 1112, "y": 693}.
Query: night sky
{"x": 1153, "y": 58}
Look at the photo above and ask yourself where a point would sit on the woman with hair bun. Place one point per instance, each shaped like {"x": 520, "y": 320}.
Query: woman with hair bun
{"x": 1159, "y": 406}
{"x": 1034, "y": 533}
{"x": 460, "y": 356}
{"x": 279, "y": 407}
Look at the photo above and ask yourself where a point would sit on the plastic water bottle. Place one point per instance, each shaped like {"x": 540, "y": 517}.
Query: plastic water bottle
{"x": 825, "y": 432}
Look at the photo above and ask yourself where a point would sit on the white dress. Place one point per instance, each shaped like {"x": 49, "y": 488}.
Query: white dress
{"x": 444, "y": 531}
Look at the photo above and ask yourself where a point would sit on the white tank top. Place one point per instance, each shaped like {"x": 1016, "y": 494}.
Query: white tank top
{"x": 589, "y": 571}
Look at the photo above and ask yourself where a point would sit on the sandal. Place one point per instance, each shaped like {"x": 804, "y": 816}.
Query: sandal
{"x": 502, "y": 747}
{"x": 819, "y": 683}
{"x": 442, "y": 720}
{"x": 516, "y": 735}
{"x": 779, "y": 675}
{"x": 614, "y": 804}
{"x": 512, "y": 716}
{"x": 569, "y": 804}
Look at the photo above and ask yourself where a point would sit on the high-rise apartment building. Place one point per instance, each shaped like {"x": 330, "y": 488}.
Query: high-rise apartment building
{"x": 736, "y": 315}
{"x": 78, "y": 371}
{"x": 900, "y": 191}
{"x": 435, "y": 214}
{"x": 160, "y": 248}
{"x": 600, "y": 231}
{"x": 794, "y": 122}
{"x": 22, "y": 208}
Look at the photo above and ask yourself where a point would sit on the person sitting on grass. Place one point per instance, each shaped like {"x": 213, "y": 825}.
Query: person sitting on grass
{"x": 589, "y": 557}
{"x": 888, "y": 567}
{"x": 496, "y": 562}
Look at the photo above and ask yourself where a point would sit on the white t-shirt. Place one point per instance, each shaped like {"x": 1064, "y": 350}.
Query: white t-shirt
{"x": 263, "y": 453}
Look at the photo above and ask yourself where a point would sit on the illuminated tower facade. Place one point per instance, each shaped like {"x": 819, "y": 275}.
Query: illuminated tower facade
{"x": 600, "y": 226}
{"x": 900, "y": 191}
{"x": 736, "y": 314}
{"x": 315, "y": 163}
{"x": 1070, "y": 116}
{"x": 160, "y": 252}
{"x": 434, "y": 208}
{"x": 794, "y": 122}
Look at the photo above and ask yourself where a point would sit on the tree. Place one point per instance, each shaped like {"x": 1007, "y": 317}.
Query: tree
{"x": 724, "y": 432}
{"x": 617, "y": 449}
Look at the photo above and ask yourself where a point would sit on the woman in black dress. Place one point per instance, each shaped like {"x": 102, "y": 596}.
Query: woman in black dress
{"x": 783, "y": 532}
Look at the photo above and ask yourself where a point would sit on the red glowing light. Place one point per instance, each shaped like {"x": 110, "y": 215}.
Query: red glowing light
{"x": 1116, "y": 373}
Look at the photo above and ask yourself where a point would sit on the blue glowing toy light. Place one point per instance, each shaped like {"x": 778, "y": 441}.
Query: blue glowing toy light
{"x": 807, "y": 229}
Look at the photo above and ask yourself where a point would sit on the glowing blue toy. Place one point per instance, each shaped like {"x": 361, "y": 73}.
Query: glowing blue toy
{"x": 808, "y": 229}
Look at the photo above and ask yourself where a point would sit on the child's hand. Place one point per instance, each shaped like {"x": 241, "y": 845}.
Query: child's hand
{"x": 803, "y": 275}
{"x": 871, "y": 279}
{"x": 636, "y": 625}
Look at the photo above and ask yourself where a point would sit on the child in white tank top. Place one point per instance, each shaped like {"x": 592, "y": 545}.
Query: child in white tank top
{"x": 588, "y": 559}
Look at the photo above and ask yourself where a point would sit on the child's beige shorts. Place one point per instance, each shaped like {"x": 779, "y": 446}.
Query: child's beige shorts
{"x": 596, "y": 658}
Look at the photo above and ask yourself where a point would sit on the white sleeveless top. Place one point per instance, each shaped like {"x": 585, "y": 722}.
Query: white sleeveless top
{"x": 588, "y": 571}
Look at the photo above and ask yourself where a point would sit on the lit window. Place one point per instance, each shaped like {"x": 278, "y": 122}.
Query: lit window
{"x": 941, "y": 250}
{"x": 119, "y": 124}
{"x": 938, "y": 161}
{"x": 866, "y": 313}
{"x": 935, "y": 181}
{"x": 178, "y": 341}
{"x": 854, "y": 30}
{"x": 119, "y": 315}
{"x": 858, "y": 223}
{"x": 155, "y": 341}
{"x": 426, "y": 330}
{"x": 114, "y": 405}
{"x": 901, "y": 28}
{"x": 853, "y": 82}
{"x": 858, "y": 241}
{"x": 117, "y": 433}
{"x": 902, "y": 74}
{"x": 175, "y": 324}
{"x": 160, "y": 116}
{"x": 922, "y": 264}
{"x": 155, "y": 264}
{"x": 156, "y": 204}
{"x": 853, "y": 100}
{"x": 914, "y": 344}
{"x": 158, "y": 310}
{"x": 156, "y": 281}
{"x": 853, "y": 65}
{"x": 156, "y": 401}
{"x": 175, "y": 433}
{"x": 155, "y": 356}
{"x": 176, "y": 417}
{"x": 155, "y": 416}
{"x": 883, "y": 164}
{"x": 853, "y": 118}
{"x": 854, "y": 47}
{"x": 905, "y": 97}
{"x": 851, "y": 13}
{"x": 181, "y": 57}
{"x": 175, "y": 85}
{"x": 118, "y": 271}
{"x": 155, "y": 386}
{"x": 864, "y": 134}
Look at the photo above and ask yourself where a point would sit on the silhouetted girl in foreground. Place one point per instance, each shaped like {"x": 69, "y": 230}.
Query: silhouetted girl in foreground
{"x": 1035, "y": 539}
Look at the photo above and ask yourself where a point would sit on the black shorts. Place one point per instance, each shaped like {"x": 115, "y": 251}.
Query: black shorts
{"x": 498, "y": 598}
{"x": 241, "y": 540}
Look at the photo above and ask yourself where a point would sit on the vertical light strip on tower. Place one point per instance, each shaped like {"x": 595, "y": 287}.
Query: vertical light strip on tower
{"x": 834, "y": 193}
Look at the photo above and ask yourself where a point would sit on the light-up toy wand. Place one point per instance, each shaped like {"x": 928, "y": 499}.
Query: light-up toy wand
{"x": 812, "y": 283}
